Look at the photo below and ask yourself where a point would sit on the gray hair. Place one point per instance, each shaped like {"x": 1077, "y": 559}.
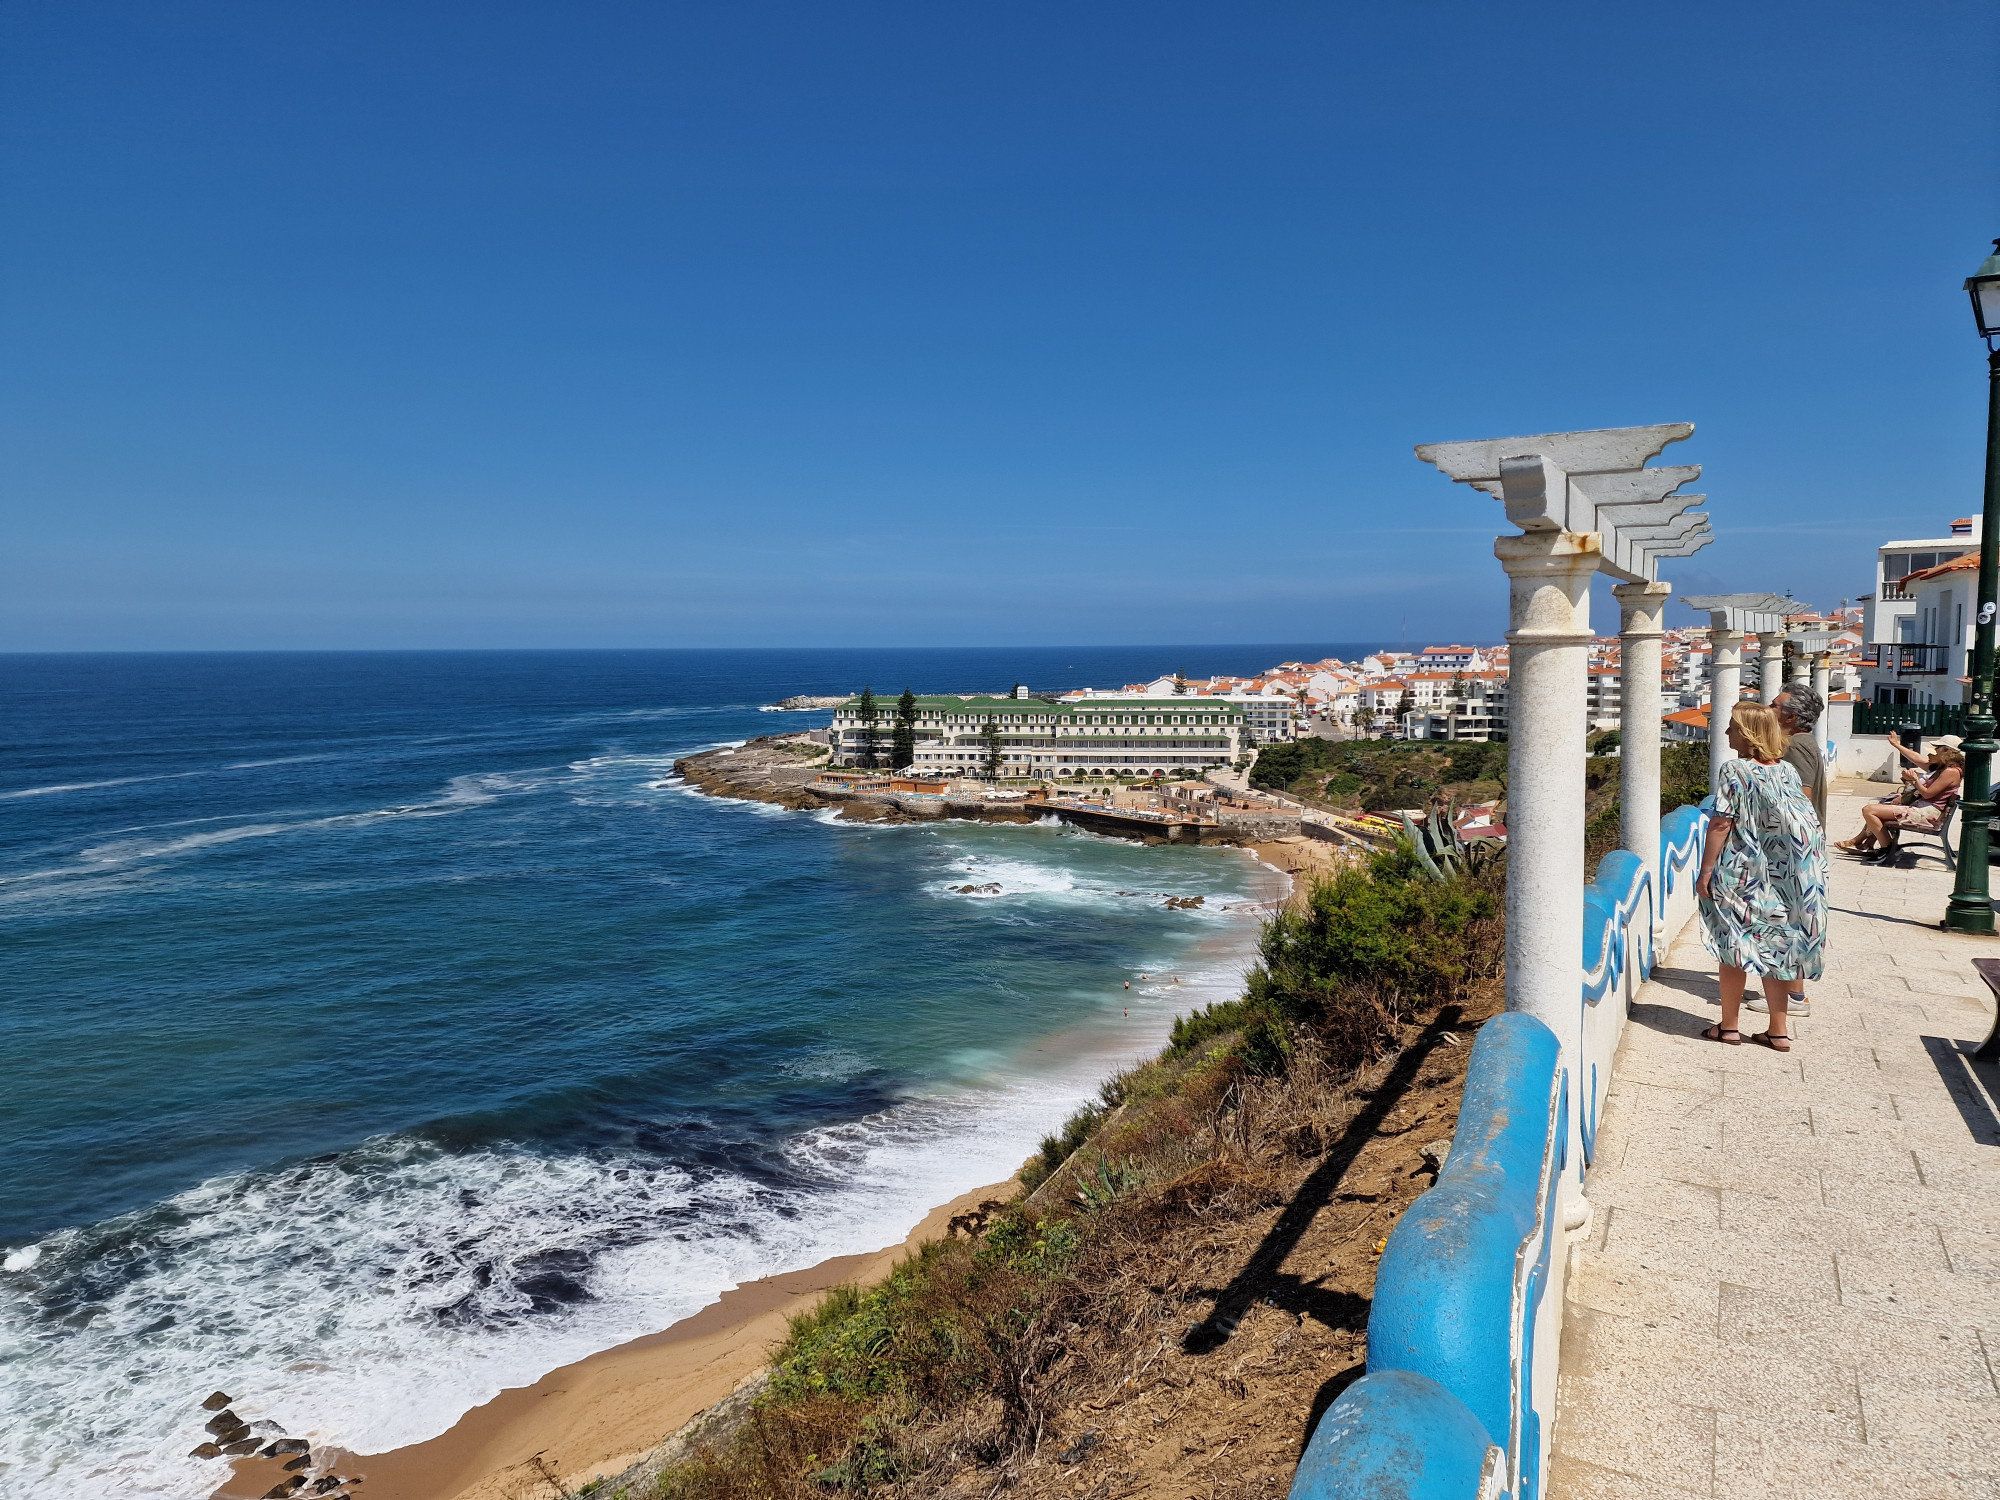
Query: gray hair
{"x": 1802, "y": 703}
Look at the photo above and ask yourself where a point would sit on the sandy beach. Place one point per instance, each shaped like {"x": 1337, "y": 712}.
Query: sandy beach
{"x": 604, "y": 1413}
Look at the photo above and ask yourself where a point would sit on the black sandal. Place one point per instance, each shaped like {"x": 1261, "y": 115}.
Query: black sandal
{"x": 1775, "y": 1043}
{"x": 1718, "y": 1034}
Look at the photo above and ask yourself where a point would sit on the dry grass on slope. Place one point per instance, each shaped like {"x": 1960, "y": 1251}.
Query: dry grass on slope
{"x": 1189, "y": 1286}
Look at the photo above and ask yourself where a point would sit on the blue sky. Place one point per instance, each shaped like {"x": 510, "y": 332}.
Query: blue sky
{"x": 608, "y": 324}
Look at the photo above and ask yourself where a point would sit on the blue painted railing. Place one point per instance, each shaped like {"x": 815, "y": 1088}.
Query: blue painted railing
{"x": 1459, "y": 1399}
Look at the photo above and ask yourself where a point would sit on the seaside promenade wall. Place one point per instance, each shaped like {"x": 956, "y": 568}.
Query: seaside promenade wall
{"x": 1464, "y": 1334}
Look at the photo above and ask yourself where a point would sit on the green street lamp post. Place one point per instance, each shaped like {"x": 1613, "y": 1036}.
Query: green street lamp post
{"x": 1971, "y": 908}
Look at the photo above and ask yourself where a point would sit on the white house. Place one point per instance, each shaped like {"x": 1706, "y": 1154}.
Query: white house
{"x": 1906, "y": 661}
{"x": 1931, "y": 664}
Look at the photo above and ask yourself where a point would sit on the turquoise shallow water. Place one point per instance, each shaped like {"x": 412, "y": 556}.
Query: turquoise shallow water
{"x": 388, "y": 1029}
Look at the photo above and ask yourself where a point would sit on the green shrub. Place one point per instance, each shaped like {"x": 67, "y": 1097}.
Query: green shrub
{"x": 1058, "y": 1148}
{"x": 1386, "y": 928}
{"x": 1683, "y": 776}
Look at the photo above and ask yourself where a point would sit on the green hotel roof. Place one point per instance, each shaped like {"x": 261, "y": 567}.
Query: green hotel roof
{"x": 885, "y": 703}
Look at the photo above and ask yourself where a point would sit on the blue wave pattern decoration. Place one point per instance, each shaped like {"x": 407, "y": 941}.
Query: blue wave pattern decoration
{"x": 1618, "y": 908}
{"x": 1464, "y": 1331}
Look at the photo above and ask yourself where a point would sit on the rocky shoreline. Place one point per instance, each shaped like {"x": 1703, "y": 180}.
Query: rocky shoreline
{"x": 780, "y": 768}
{"x": 784, "y": 769}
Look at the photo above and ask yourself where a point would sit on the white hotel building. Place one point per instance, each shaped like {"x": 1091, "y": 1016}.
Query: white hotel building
{"x": 1043, "y": 741}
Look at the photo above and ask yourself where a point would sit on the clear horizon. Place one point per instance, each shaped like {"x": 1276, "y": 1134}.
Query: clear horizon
{"x": 439, "y": 327}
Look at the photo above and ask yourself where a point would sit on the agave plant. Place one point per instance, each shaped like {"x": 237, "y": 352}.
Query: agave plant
{"x": 1440, "y": 850}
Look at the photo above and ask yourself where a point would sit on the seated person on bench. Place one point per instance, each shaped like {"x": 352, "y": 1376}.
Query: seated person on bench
{"x": 1934, "y": 789}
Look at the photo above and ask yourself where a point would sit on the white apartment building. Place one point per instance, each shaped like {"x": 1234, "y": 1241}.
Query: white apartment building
{"x": 1908, "y": 654}
{"x": 1480, "y": 714}
{"x": 1932, "y": 664}
{"x": 1451, "y": 659}
{"x": 1043, "y": 741}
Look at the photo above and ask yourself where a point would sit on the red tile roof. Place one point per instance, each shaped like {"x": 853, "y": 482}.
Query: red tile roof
{"x": 1963, "y": 564}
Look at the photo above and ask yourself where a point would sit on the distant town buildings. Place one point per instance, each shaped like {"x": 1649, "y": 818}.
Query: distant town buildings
{"x": 1174, "y": 725}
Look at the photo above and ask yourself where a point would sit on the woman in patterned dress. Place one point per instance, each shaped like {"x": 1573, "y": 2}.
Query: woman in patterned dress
{"x": 1763, "y": 877}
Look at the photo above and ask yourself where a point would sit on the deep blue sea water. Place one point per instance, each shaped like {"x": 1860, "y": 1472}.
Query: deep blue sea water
{"x": 384, "y": 1029}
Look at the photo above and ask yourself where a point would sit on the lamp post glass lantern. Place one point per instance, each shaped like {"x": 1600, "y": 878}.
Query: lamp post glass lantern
{"x": 1983, "y": 286}
{"x": 1971, "y": 907}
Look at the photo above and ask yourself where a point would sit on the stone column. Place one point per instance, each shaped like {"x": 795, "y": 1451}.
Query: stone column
{"x": 1548, "y": 576}
{"x": 1640, "y": 606}
{"x": 1771, "y": 676}
{"x": 1822, "y": 674}
{"x": 1725, "y": 684}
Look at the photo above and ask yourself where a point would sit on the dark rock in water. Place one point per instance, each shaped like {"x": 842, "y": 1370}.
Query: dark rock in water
{"x": 241, "y": 1447}
{"x": 227, "y": 1422}
{"x": 206, "y": 1450}
{"x": 277, "y": 1492}
{"x": 216, "y": 1402}
{"x": 331, "y": 1482}
{"x": 267, "y": 1429}
{"x": 553, "y": 1279}
{"x": 303, "y": 1461}
{"x": 287, "y": 1445}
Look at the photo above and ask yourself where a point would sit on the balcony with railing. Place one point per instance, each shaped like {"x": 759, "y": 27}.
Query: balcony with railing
{"x": 1912, "y": 659}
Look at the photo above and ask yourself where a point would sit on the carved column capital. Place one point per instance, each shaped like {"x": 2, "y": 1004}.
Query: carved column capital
{"x": 1642, "y": 607}
{"x": 1549, "y": 573}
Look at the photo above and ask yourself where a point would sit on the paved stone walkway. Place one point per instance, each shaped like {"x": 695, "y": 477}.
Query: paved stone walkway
{"x": 1792, "y": 1281}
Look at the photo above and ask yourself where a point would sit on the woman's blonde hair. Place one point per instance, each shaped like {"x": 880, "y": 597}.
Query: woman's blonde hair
{"x": 1948, "y": 755}
{"x": 1759, "y": 725}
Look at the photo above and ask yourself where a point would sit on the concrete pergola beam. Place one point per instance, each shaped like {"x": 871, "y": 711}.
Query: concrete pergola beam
{"x": 1746, "y": 614}
{"x": 1589, "y": 484}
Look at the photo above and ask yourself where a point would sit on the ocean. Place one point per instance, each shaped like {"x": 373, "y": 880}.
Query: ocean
{"x": 387, "y": 1029}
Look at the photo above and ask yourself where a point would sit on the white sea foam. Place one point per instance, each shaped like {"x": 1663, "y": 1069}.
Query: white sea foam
{"x": 367, "y": 1300}
{"x": 459, "y": 793}
{"x": 86, "y": 786}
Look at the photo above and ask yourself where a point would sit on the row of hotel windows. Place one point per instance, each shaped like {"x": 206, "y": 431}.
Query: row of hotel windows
{"x": 973, "y": 721}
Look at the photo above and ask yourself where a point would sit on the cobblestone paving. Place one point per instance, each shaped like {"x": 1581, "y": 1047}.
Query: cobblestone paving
{"x": 1791, "y": 1285}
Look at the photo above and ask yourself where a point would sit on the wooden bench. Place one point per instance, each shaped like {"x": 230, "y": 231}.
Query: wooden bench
{"x": 1942, "y": 833}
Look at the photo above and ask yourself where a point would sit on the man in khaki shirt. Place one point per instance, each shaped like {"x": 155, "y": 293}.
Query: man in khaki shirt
{"x": 1799, "y": 709}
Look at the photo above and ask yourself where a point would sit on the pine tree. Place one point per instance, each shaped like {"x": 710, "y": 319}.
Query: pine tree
{"x": 989, "y": 734}
{"x": 871, "y": 735}
{"x": 903, "y": 749}
{"x": 1180, "y": 684}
